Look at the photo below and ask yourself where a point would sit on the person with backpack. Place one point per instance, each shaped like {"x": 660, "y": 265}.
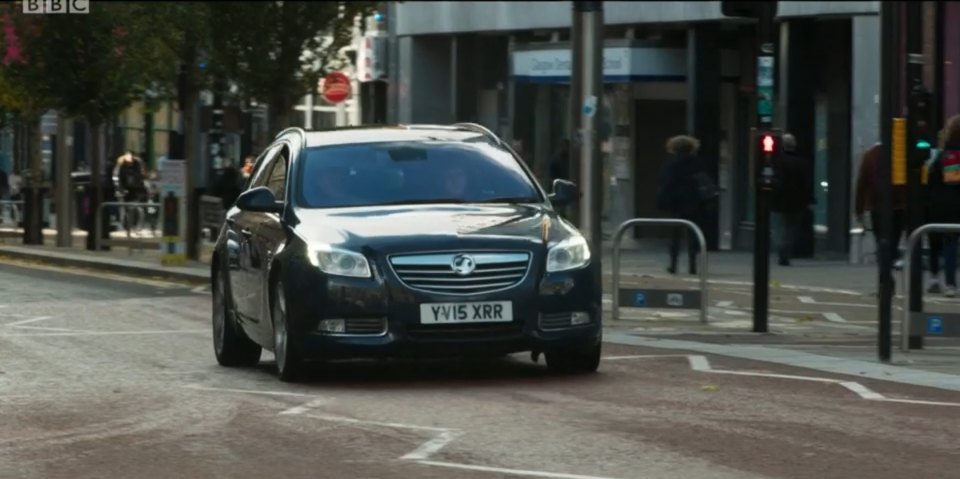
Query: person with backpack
{"x": 943, "y": 206}
{"x": 792, "y": 196}
{"x": 685, "y": 192}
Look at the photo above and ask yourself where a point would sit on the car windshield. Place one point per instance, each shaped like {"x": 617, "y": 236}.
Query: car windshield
{"x": 412, "y": 172}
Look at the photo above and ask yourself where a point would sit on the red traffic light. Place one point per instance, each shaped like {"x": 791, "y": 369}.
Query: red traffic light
{"x": 768, "y": 143}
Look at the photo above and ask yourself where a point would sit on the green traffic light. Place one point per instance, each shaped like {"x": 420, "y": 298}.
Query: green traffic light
{"x": 923, "y": 144}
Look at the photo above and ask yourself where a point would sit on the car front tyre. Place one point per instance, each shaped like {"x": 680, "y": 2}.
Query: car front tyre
{"x": 582, "y": 361}
{"x": 230, "y": 344}
{"x": 289, "y": 363}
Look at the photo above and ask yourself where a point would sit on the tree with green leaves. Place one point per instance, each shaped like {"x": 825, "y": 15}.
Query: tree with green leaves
{"x": 277, "y": 51}
{"x": 24, "y": 98}
{"x": 101, "y": 63}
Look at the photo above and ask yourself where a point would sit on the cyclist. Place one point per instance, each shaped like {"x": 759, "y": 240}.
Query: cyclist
{"x": 131, "y": 180}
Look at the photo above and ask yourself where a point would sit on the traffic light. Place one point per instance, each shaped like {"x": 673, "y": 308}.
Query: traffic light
{"x": 920, "y": 116}
{"x": 749, "y": 9}
{"x": 769, "y": 150}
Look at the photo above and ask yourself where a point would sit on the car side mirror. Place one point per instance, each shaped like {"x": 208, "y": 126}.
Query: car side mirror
{"x": 564, "y": 193}
{"x": 259, "y": 200}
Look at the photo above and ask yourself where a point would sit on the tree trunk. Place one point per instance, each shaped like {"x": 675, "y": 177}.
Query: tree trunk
{"x": 32, "y": 181}
{"x": 97, "y": 175}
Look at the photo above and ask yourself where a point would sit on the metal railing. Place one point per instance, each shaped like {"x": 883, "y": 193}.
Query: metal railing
{"x": 702, "y": 260}
{"x": 905, "y": 274}
{"x": 99, "y": 241}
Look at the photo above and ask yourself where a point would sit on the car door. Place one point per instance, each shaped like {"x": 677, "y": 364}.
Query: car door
{"x": 242, "y": 226}
{"x": 270, "y": 234}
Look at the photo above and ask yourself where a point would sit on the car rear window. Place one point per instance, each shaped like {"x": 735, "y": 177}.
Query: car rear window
{"x": 412, "y": 172}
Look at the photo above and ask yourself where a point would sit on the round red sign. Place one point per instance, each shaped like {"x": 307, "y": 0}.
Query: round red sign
{"x": 336, "y": 87}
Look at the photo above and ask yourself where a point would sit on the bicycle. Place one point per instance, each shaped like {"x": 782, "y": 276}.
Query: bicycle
{"x": 133, "y": 218}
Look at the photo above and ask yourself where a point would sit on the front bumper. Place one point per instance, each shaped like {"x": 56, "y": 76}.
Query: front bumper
{"x": 539, "y": 297}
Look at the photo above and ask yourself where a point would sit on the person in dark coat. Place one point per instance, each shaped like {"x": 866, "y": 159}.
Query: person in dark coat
{"x": 685, "y": 190}
{"x": 943, "y": 204}
{"x": 868, "y": 180}
{"x": 792, "y": 197}
{"x": 229, "y": 185}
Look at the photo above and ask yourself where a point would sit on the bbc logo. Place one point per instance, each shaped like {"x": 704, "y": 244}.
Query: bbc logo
{"x": 56, "y": 6}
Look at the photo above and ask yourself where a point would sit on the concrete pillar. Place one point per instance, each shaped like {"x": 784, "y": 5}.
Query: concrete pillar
{"x": 703, "y": 105}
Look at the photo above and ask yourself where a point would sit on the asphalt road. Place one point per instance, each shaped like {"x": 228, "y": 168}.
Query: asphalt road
{"x": 108, "y": 378}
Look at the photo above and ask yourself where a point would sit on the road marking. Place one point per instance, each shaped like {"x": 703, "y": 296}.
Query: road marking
{"x": 810, "y": 300}
{"x": 724, "y": 304}
{"x": 305, "y": 407}
{"x": 106, "y": 333}
{"x": 834, "y": 317}
{"x": 432, "y": 446}
{"x": 515, "y": 472}
{"x": 28, "y": 321}
{"x": 420, "y": 455}
{"x": 702, "y": 364}
{"x": 200, "y": 289}
{"x": 249, "y": 391}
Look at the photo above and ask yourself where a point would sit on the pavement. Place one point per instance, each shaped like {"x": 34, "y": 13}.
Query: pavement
{"x": 108, "y": 375}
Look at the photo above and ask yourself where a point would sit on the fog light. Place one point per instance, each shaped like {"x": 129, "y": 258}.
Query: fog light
{"x": 333, "y": 326}
{"x": 579, "y": 318}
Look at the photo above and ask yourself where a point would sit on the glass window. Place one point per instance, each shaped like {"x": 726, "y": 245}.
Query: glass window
{"x": 413, "y": 172}
{"x": 263, "y": 166}
{"x": 278, "y": 177}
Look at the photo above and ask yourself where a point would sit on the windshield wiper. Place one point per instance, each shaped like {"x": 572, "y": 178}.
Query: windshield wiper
{"x": 426, "y": 201}
{"x": 510, "y": 199}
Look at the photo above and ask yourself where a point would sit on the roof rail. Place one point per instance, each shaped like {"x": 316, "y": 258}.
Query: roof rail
{"x": 290, "y": 130}
{"x": 479, "y": 129}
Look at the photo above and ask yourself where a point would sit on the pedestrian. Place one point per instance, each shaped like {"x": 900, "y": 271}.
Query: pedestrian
{"x": 247, "y": 168}
{"x": 868, "y": 179}
{"x": 943, "y": 205}
{"x": 229, "y": 185}
{"x": 793, "y": 196}
{"x": 685, "y": 191}
{"x": 4, "y": 185}
{"x": 131, "y": 175}
{"x": 560, "y": 164}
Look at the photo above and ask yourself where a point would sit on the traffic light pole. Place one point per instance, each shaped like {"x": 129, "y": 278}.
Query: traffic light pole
{"x": 889, "y": 33}
{"x": 589, "y": 63}
{"x": 766, "y": 62}
{"x": 918, "y": 108}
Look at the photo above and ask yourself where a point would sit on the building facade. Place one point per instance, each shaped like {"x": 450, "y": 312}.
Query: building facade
{"x": 669, "y": 68}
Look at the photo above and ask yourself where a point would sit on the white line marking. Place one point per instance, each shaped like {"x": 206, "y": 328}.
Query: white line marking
{"x": 375, "y": 423}
{"x": 724, "y": 304}
{"x": 834, "y": 317}
{"x": 199, "y": 289}
{"x": 806, "y": 300}
{"x": 810, "y": 300}
{"x": 862, "y": 391}
{"x": 432, "y": 446}
{"x": 305, "y": 407}
{"x": 515, "y": 472}
{"x": 44, "y": 328}
{"x": 106, "y": 333}
{"x": 249, "y": 391}
{"x": 28, "y": 321}
{"x": 702, "y": 364}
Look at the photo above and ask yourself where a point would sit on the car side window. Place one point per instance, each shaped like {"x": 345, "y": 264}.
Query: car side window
{"x": 278, "y": 176}
{"x": 262, "y": 172}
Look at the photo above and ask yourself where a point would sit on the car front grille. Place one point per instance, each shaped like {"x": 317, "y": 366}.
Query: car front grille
{"x": 435, "y": 272}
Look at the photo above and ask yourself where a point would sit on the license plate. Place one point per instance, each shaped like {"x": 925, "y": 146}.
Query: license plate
{"x": 455, "y": 313}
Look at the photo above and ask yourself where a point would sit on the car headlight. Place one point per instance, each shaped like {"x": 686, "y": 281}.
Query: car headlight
{"x": 571, "y": 253}
{"x": 339, "y": 262}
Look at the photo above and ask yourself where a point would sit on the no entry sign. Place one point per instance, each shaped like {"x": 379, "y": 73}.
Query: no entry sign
{"x": 335, "y": 88}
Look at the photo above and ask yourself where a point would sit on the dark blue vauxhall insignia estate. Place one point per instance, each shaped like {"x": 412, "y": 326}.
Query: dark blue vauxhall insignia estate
{"x": 408, "y": 240}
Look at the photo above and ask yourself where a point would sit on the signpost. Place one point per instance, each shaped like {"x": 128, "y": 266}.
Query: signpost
{"x": 173, "y": 206}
